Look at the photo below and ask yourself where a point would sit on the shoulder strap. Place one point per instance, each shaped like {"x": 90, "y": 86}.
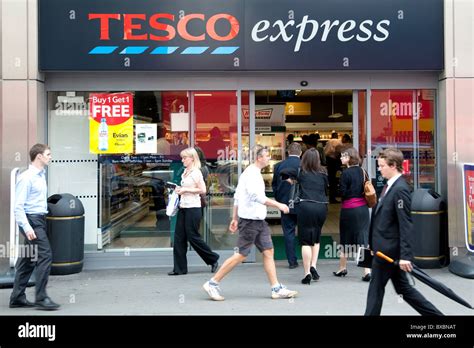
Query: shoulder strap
{"x": 365, "y": 174}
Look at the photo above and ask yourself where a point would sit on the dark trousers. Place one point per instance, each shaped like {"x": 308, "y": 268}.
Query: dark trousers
{"x": 26, "y": 265}
{"x": 381, "y": 273}
{"x": 288, "y": 224}
{"x": 333, "y": 165}
{"x": 187, "y": 230}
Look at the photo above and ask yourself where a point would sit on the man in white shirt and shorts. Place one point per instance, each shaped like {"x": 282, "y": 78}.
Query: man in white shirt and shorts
{"x": 250, "y": 206}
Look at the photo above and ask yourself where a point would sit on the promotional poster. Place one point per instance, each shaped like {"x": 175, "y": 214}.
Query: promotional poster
{"x": 111, "y": 123}
{"x": 468, "y": 179}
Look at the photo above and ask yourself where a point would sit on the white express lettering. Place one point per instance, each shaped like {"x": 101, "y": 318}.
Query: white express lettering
{"x": 327, "y": 28}
{"x": 381, "y": 29}
{"x": 345, "y": 27}
{"x": 282, "y": 32}
{"x": 302, "y": 27}
{"x": 308, "y": 29}
{"x": 365, "y": 30}
{"x": 259, "y": 27}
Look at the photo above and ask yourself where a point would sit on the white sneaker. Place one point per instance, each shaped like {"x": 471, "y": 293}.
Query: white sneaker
{"x": 213, "y": 291}
{"x": 283, "y": 292}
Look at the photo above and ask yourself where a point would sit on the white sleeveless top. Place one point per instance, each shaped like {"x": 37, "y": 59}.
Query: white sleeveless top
{"x": 191, "y": 200}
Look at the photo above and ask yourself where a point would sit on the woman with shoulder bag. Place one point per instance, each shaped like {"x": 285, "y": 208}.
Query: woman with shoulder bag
{"x": 189, "y": 216}
{"x": 311, "y": 210}
{"x": 354, "y": 219}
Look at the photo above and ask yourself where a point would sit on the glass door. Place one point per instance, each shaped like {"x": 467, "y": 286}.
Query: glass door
{"x": 216, "y": 135}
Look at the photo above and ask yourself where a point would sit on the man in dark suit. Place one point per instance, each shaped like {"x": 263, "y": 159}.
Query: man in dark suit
{"x": 391, "y": 232}
{"x": 281, "y": 189}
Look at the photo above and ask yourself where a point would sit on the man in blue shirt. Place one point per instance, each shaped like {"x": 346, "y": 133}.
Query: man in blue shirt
{"x": 30, "y": 213}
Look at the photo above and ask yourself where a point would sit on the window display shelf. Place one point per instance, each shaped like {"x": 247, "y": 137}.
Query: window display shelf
{"x": 119, "y": 200}
{"x": 133, "y": 208}
{"x": 120, "y": 190}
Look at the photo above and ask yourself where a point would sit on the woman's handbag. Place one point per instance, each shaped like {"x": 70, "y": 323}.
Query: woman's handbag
{"x": 173, "y": 204}
{"x": 369, "y": 191}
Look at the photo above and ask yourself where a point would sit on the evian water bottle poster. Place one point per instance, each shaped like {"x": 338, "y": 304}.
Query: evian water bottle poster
{"x": 468, "y": 176}
{"x": 111, "y": 123}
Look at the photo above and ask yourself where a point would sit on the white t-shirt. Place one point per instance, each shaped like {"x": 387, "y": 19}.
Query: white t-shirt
{"x": 250, "y": 194}
{"x": 191, "y": 200}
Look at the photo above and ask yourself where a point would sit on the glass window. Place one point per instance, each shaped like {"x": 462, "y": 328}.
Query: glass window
{"x": 215, "y": 117}
{"x": 405, "y": 119}
{"x": 427, "y": 161}
{"x": 133, "y": 193}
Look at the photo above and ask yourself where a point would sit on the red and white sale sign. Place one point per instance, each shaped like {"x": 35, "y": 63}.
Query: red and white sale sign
{"x": 111, "y": 123}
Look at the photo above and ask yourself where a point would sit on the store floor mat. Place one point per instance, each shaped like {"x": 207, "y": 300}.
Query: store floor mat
{"x": 325, "y": 249}
{"x": 135, "y": 232}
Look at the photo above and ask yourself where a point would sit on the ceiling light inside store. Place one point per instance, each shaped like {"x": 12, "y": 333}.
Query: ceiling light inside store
{"x": 203, "y": 95}
{"x": 337, "y": 114}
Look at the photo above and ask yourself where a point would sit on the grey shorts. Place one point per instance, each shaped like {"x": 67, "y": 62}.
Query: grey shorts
{"x": 253, "y": 232}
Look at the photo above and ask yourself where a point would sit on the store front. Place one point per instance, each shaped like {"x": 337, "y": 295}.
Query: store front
{"x": 276, "y": 75}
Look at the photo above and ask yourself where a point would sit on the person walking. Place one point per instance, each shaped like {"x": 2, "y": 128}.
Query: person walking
{"x": 248, "y": 218}
{"x": 30, "y": 213}
{"x": 281, "y": 189}
{"x": 311, "y": 210}
{"x": 332, "y": 152}
{"x": 354, "y": 218}
{"x": 391, "y": 232}
{"x": 189, "y": 216}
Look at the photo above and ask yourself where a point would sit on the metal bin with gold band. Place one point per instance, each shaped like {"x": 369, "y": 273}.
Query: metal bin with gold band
{"x": 65, "y": 221}
{"x": 430, "y": 228}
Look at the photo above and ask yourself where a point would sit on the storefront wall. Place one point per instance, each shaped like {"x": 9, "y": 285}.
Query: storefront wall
{"x": 456, "y": 115}
{"x": 24, "y": 100}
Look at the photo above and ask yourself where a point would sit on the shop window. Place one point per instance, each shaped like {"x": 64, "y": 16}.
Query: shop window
{"x": 215, "y": 124}
{"x": 405, "y": 119}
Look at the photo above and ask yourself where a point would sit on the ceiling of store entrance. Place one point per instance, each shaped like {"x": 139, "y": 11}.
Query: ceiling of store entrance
{"x": 307, "y": 93}
{"x": 325, "y": 107}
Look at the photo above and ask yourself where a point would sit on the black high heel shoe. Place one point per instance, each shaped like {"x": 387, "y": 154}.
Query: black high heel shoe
{"x": 366, "y": 278}
{"x": 306, "y": 280}
{"x": 314, "y": 273}
{"x": 341, "y": 273}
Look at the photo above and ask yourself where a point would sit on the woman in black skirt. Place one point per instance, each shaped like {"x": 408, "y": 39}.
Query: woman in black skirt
{"x": 311, "y": 210}
{"x": 354, "y": 219}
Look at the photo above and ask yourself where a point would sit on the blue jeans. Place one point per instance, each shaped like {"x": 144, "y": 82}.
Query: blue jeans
{"x": 288, "y": 224}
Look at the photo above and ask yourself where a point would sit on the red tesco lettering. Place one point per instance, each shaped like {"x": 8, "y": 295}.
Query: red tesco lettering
{"x": 133, "y": 26}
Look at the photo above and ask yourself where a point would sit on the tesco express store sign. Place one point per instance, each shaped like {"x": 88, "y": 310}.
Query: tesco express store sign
{"x": 241, "y": 35}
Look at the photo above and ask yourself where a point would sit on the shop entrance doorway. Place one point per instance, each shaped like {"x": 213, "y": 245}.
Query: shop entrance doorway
{"x": 311, "y": 118}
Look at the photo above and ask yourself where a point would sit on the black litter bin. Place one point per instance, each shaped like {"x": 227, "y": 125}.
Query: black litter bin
{"x": 430, "y": 225}
{"x": 66, "y": 233}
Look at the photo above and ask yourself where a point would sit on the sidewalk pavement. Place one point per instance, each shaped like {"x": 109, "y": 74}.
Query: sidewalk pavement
{"x": 150, "y": 291}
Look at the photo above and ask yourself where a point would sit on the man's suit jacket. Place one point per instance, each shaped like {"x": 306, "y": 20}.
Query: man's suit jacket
{"x": 391, "y": 228}
{"x": 281, "y": 188}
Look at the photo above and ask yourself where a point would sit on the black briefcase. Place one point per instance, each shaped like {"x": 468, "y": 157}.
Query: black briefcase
{"x": 364, "y": 258}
